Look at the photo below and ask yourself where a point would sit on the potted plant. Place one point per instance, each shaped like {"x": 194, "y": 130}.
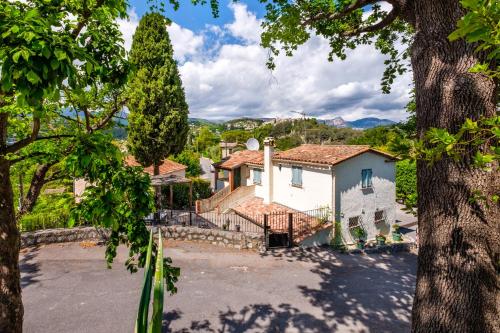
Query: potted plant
{"x": 380, "y": 239}
{"x": 396, "y": 235}
{"x": 359, "y": 233}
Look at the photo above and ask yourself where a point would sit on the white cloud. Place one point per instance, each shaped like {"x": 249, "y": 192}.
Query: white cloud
{"x": 185, "y": 42}
{"x": 224, "y": 78}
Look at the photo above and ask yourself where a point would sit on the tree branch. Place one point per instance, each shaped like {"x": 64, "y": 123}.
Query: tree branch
{"x": 85, "y": 19}
{"x": 37, "y": 182}
{"x": 26, "y": 141}
{"x": 393, "y": 14}
{"x": 337, "y": 15}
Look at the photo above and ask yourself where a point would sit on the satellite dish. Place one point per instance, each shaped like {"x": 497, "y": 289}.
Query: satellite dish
{"x": 252, "y": 144}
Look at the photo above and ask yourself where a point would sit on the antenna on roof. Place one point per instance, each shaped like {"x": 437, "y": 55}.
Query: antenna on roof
{"x": 252, "y": 144}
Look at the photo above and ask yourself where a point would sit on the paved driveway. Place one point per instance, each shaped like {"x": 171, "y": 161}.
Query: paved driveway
{"x": 66, "y": 288}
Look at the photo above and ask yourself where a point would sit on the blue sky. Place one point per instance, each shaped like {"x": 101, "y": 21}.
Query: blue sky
{"x": 223, "y": 69}
{"x": 196, "y": 17}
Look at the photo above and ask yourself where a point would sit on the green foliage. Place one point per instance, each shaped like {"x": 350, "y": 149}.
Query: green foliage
{"x": 238, "y": 136}
{"x": 345, "y": 24}
{"x": 190, "y": 159}
{"x": 288, "y": 142}
{"x": 43, "y": 47}
{"x": 214, "y": 153}
{"x": 50, "y": 211}
{"x": 406, "y": 182}
{"x": 359, "y": 233}
{"x": 157, "y": 284}
{"x": 158, "y": 111}
{"x": 377, "y": 137}
{"x": 200, "y": 187}
{"x": 337, "y": 242}
{"x": 481, "y": 25}
{"x": 206, "y": 138}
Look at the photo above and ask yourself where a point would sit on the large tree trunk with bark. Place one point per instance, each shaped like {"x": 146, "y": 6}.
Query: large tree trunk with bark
{"x": 457, "y": 279}
{"x": 11, "y": 306}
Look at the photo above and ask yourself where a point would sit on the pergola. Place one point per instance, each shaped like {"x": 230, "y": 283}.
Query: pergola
{"x": 170, "y": 180}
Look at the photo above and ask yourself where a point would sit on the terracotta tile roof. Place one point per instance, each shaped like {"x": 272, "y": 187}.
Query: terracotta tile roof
{"x": 325, "y": 154}
{"x": 166, "y": 167}
{"x": 241, "y": 157}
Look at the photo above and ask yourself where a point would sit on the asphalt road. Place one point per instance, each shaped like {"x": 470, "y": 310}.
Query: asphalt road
{"x": 67, "y": 288}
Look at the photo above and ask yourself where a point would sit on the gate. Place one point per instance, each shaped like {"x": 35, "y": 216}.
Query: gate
{"x": 278, "y": 230}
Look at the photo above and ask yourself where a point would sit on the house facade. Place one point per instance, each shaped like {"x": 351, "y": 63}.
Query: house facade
{"x": 355, "y": 182}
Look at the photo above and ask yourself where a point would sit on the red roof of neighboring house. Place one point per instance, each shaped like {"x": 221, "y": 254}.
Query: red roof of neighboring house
{"x": 241, "y": 157}
{"x": 308, "y": 153}
{"x": 166, "y": 167}
{"x": 325, "y": 154}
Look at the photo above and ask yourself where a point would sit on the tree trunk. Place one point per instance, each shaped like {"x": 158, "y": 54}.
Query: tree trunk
{"x": 11, "y": 306}
{"x": 156, "y": 172}
{"x": 457, "y": 283}
{"x": 36, "y": 185}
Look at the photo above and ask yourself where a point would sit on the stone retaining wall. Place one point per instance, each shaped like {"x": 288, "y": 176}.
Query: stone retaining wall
{"x": 50, "y": 236}
{"x": 230, "y": 239}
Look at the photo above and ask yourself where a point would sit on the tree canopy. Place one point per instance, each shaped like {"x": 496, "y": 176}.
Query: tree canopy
{"x": 158, "y": 124}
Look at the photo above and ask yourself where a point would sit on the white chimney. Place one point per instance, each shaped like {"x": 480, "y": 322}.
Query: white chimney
{"x": 268, "y": 169}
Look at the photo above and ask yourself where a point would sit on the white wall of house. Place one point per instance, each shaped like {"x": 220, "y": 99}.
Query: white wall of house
{"x": 352, "y": 200}
{"x": 259, "y": 188}
{"x": 316, "y": 190}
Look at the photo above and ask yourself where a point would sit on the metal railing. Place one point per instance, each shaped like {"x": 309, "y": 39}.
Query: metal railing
{"x": 208, "y": 220}
{"x": 209, "y": 204}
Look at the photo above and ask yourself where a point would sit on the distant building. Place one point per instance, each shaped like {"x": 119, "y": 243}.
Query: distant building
{"x": 167, "y": 168}
{"x": 227, "y": 148}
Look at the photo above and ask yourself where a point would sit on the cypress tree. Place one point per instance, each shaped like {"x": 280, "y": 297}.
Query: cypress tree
{"x": 158, "y": 123}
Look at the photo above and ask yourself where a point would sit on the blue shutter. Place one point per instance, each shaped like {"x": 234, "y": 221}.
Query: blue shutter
{"x": 297, "y": 176}
{"x": 257, "y": 176}
{"x": 366, "y": 178}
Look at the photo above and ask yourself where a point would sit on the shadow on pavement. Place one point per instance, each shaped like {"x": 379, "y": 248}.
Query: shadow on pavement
{"x": 375, "y": 295}
{"x": 29, "y": 267}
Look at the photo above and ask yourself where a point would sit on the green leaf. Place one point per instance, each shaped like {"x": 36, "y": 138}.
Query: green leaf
{"x": 60, "y": 54}
{"x": 33, "y": 77}
{"x": 156, "y": 320}
{"x": 16, "y": 56}
{"x": 54, "y": 64}
{"x": 141, "y": 323}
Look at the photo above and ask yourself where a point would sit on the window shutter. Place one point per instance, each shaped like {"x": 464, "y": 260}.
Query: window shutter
{"x": 366, "y": 178}
{"x": 297, "y": 176}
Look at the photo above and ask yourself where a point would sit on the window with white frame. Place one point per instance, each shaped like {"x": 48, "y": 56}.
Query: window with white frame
{"x": 297, "y": 176}
{"x": 257, "y": 176}
{"x": 366, "y": 178}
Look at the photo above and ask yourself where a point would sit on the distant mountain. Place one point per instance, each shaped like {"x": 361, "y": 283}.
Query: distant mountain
{"x": 243, "y": 123}
{"x": 362, "y": 123}
{"x": 370, "y": 122}
{"x": 336, "y": 122}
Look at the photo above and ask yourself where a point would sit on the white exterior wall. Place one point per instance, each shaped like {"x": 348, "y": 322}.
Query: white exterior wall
{"x": 259, "y": 188}
{"x": 316, "y": 190}
{"x": 352, "y": 200}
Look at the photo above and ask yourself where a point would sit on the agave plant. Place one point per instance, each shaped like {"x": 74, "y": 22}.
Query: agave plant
{"x": 155, "y": 325}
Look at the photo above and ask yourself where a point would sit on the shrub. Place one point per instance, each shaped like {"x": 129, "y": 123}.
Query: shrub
{"x": 201, "y": 190}
{"x": 406, "y": 183}
{"x": 190, "y": 159}
{"x": 337, "y": 242}
{"x": 359, "y": 233}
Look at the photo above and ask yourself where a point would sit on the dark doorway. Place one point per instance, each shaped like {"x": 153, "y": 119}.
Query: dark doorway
{"x": 237, "y": 178}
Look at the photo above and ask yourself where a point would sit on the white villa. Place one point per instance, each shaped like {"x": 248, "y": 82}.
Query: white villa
{"x": 356, "y": 182}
